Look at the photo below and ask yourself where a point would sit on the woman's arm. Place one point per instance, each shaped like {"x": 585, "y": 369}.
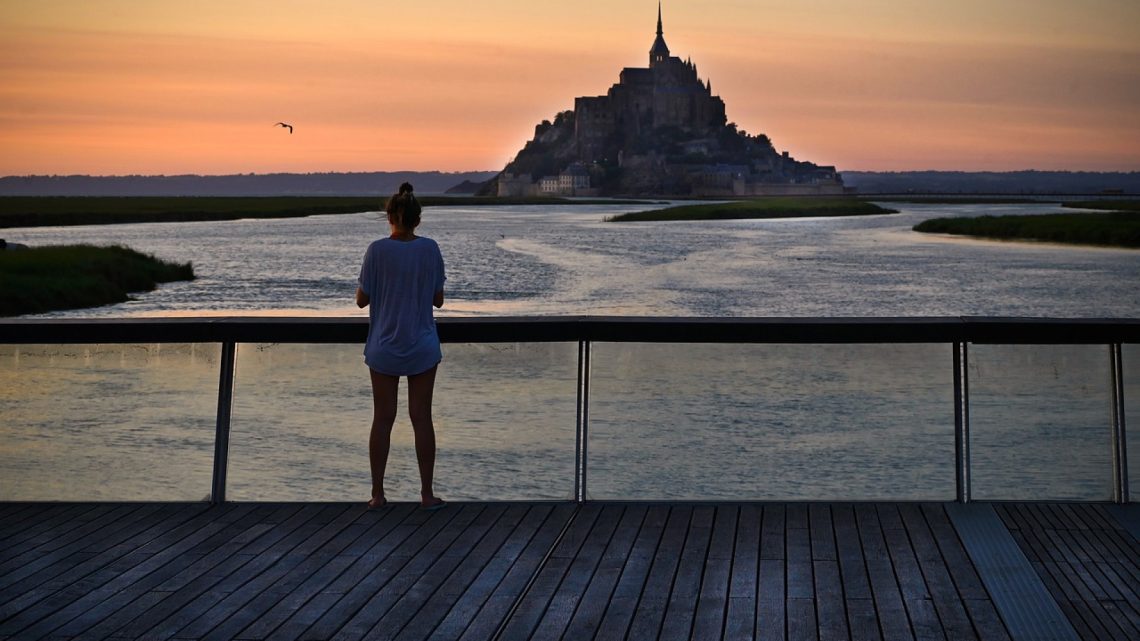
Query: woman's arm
{"x": 362, "y": 298}
{"x": 437, "y": 300}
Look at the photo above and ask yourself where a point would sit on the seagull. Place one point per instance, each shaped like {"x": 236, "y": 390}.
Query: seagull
{"x": 281, "y": 124}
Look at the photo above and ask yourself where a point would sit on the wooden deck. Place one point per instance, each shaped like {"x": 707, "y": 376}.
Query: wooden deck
{"x": 479, "y": 571}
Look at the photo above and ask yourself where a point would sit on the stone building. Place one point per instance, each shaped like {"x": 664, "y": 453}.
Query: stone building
{"x": 658, "y": 131}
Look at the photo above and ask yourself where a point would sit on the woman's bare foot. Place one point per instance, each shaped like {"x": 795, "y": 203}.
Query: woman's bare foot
{"x": 431, "y": 503}
{"x": 377, "y": 502}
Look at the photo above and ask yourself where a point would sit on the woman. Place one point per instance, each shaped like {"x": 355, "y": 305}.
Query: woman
{"x": 401, "y": 279}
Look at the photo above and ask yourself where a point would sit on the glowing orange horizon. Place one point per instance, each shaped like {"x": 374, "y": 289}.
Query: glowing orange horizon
{"x": 124, "y": 87}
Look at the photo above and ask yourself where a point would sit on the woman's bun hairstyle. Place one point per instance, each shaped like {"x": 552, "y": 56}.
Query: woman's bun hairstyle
{"x": 403, "y": 208}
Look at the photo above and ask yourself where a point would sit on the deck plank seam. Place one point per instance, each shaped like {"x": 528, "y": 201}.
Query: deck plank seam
{"x": 625, "y": 540}
{"x": 323, "y": 556}
{"x": 202, "y": 525}
{"x": 383, "y": 598}
{"x": 356, "y": 596}
{"x": 535, "y": 574}
{"x": 498, "y": 536}
{"x": 960, "y": 589}
{"x": 445, "y": 566}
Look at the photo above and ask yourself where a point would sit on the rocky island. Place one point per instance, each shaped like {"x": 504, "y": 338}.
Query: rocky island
{"x": 660, "y": 131}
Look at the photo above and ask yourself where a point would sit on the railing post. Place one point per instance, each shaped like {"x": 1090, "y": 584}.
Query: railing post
{"x": 582, "y": 427}
{"x": 1119, "y": 433}
{"x": 962, "y": 422}
{"x": 222, "y": 427}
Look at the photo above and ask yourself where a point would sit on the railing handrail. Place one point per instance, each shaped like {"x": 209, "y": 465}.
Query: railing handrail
{"x": 958, "y": 331}
{"x": 249, "y": 329}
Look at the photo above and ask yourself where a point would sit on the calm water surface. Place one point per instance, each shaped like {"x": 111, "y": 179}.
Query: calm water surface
{"x": 667, "y": 421}
{"x": 548, "y": 260}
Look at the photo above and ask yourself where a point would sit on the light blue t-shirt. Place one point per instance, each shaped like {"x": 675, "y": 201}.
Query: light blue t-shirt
{"x": 401, "y": 279}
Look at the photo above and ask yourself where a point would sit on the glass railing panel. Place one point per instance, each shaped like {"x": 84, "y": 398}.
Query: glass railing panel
{"x": 1039, "y": 422}
{"x": 771, "y": 422}
{"x": 504, "y": 416}
{"x": 107, "y": 422}
{"x": 1130, "y": 355}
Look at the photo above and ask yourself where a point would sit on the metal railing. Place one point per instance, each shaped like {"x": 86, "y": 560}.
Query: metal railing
{"x": 957, "y": 332}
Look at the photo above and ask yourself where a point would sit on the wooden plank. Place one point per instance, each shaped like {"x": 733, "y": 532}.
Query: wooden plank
{"x": 712, "y": 602}
{"x": 871, "y": 533}
{"x": 623, "y": 604}
{"x": 75, "y": 568}
{"x": 771, "y": 615}
{"x": 91, "y": 601}
{"x": 425, "y": 594}
{"x": 469, "y": 569}
{"x": 389, "y": 591}
{"x": 650, "y": 612}
{"x": 911, "y": 582}
{"x": 24, "y": 560}
{"x": 520, "y": 569}
{"x": 772, "y": 533}
{"x": 597, "y": 595}
{"x": 580, "y": 574}
{"x": 744, "y": 580}
{"x": 186, "y": 592}
{"x": 272, "y": 592}
{"x": 796, "y": 516}
{"x": 952, "y": 615}
{"x": 373, "y": 570}
{"x": 960, "y": 566}
{"x": 924, "y": 620}
{"x": 534, "y": 602}
{"x": 53, "y": 519}
{"x": 514, "y": 545}
{"x": 682, "y": 606}
{"x": 987, "y": 623}
{"x": 801, "y": 620}
{"x": 301, "y": 588}
{"x": 822, "y": 533}
{"x": 852, "y": 567}
{"x": 862, "y": 620}
{"x": 829, "y": 602}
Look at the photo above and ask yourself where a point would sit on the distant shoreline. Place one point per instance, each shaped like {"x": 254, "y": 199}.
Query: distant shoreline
{"x": 45, "y": 211}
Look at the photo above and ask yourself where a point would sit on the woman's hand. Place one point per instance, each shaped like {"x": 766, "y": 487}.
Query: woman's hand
{"x": 362, "y": 299}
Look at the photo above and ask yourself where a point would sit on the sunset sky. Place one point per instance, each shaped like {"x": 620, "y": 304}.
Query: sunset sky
{"x": 157, "y": 87}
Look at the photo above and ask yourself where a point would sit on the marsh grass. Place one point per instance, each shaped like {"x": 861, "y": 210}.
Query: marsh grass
{"x": 43, "y": 279}
{"x": 1115, "y": 229}
{"x": 760, "y": 208}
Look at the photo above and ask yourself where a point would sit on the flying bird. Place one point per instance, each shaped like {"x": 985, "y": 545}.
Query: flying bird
{"x": 281, "y": 124}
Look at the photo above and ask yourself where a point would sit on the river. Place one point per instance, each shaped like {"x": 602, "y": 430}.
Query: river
{"x": 841, "y": 422}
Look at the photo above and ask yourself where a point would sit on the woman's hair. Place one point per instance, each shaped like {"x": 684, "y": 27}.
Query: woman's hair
{"x": 403, "y": 209}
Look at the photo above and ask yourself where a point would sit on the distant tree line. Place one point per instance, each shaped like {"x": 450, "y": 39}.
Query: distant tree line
{"x": 283, "y": 184}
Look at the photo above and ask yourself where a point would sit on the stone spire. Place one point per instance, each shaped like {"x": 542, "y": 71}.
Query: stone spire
{"x": 660, "y": 51}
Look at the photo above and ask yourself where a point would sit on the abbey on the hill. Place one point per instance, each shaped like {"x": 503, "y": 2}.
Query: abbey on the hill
{"x": 658, "y": 131}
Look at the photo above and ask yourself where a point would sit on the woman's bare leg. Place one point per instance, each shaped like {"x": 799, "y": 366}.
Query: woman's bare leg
{"x": 384, "y": 391}
{"x": 420, "y": 389}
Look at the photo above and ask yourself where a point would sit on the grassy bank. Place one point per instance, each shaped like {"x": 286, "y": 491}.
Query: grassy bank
{"x": 1106, "y": 205}
{"x": 44, "y": 279}
{"x": 29, "y": 211}
{"x": 761, "y": 208}
{"x": 1116, "y": 229}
